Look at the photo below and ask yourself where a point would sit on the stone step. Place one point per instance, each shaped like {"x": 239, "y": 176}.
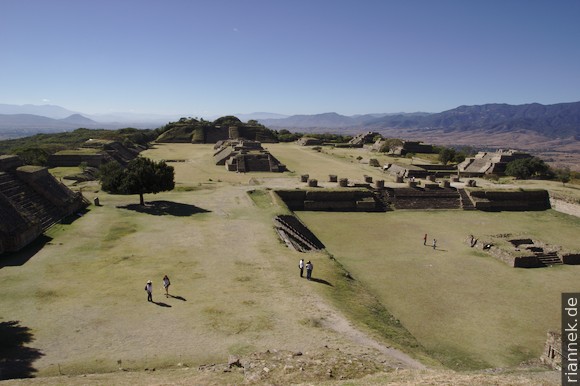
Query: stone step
{"x": 551, "y": 258}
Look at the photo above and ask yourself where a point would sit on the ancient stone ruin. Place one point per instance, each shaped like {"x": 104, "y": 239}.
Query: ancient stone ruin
{"x": 419, "y": 170}
{"x": 363, "y": 138}
{"x": 246, "y": 156}
{"x": 518, "y": 200}
{"x": 432, "y": 196}
{"x": 296, "y": 235}
{"x": 309, "y": 141}
{"x": 411, "y": 147}
{"x": 189, "y": 130}
{"x": 524, "y": 252}
{"x": 94, "y": 153}
{"x": 338, "y": 200}
{"x": 489, "y": 162}
{"x": 31, "y": 200}
{"x": 552, "y": 355}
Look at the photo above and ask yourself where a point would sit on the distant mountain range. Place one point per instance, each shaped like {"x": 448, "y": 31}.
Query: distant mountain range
{"x": 548, "y": 121}
{"x": 553, "y": 121}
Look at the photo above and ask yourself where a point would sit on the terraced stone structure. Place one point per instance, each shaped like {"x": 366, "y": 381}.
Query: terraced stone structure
{"x": 412, "y": 147}
{"x": 189, "y": 130}
{"x": 243, "y": 156}
{"x": 432, "y": 196}
{"x": 363, "y": 138}
{"x": 309, "y": 141}
{"x": 485, "y": 163}
{"x": 419, "y": 170}
{"x": 337, "y": 200}
{"x": 94, "y": 153}
{"x": 31, "y": 200}
{"x": 520, "y": 200}
{"x": 525, "y": 252}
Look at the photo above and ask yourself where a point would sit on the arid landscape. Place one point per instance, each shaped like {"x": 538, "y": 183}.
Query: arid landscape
{"x": 382, "y": 308}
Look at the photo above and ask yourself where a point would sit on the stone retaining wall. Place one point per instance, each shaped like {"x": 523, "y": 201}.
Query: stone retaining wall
{"x": 347, "y": 200}
{"x": 499, "y": 200}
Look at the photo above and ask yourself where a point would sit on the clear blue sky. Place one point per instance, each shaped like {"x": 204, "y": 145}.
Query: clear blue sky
{"x": 220, "y": 57}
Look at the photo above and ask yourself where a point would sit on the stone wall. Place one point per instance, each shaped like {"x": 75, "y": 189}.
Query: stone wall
{"x": 552, "y": 355}
{"x": 16, "y": 229}
{"x": 39, "y": 179}
{"x": 9, "y": 162}
{"x": 510, "y": 200}
{"x": 215, "y": 134}
{"x": 347, "y": 200}
{"x": 31, "y": 200}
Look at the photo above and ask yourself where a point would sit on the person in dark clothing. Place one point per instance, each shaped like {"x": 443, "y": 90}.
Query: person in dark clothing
{"x": 149, "y": 289}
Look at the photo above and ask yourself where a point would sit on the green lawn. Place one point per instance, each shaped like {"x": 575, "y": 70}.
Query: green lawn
{"x": 467, "y": 308}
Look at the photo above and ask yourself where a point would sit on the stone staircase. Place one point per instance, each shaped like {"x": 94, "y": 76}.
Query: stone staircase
{"x": 549, "y": 258}
{"x": 382, "y": 200}
{"x": 466, "y": 203}
{"x": 28, "y": 201}
{"x": 297, "y": 234}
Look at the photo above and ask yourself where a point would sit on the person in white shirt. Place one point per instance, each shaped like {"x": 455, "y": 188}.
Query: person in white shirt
{"x": 309, "y": 268}
{"x": 301, "y": 266}
{"x": 149, "y": 289}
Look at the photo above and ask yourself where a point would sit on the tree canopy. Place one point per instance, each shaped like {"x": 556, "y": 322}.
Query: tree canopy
{"x": 525, "y": 168}
{"x": 141, "y": 176}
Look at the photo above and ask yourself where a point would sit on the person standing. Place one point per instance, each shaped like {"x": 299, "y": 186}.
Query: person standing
{"x": 309, "y": 268}
{"x": 149, "y": 289}
{"x": 425, "y": 239}
{"x": 434, "y": 243}
{"x": 166, "y": 284}
{"x": 301, "y": 266}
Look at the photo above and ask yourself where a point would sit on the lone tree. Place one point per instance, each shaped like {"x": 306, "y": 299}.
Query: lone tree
{"x": 141, "y": 176}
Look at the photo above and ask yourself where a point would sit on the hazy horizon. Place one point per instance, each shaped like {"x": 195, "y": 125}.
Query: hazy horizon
{"x": 213, "y": 58}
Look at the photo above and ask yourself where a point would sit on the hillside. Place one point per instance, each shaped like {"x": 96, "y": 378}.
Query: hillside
{"x": 553, "y": 121}
{"x": 31, "y": 121}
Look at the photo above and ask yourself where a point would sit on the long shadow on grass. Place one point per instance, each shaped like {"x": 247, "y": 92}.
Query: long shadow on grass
{"x": 16, "y": 358}
{"x": 178, "y": 297}
{"x": 163, "y": 208}
{"x": 15, "y": 259}
{"x": 161, "y": 304}
{"x": 321, "y": 281}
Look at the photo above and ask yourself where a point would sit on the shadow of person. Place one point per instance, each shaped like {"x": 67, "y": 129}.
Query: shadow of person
{"x": 321, "y": 281}
{"x": 161, "y": 304}
{"x": 16, "y": 357}
{"x": 178, "y": 297}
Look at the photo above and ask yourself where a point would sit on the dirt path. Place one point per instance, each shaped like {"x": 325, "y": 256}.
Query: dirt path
{"x": 337, "y": 322}
{"x": 565, "y": 207}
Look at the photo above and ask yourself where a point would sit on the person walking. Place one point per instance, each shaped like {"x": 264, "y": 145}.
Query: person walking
{"x": 301, "y": 266}
{"x": 425, "y": 239}
{"x": 166, "y": 284}
{"x": 434, "y": 243}
{"x": 149, "y": 289}
{"x": 309, "y": 268}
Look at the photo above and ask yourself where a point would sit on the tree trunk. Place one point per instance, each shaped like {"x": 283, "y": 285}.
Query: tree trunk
{"x": 141, "y": 200}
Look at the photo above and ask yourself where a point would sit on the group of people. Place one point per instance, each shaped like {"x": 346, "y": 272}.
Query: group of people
{"x": 309, "y": 267}
{"x": 149, "y": 288}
